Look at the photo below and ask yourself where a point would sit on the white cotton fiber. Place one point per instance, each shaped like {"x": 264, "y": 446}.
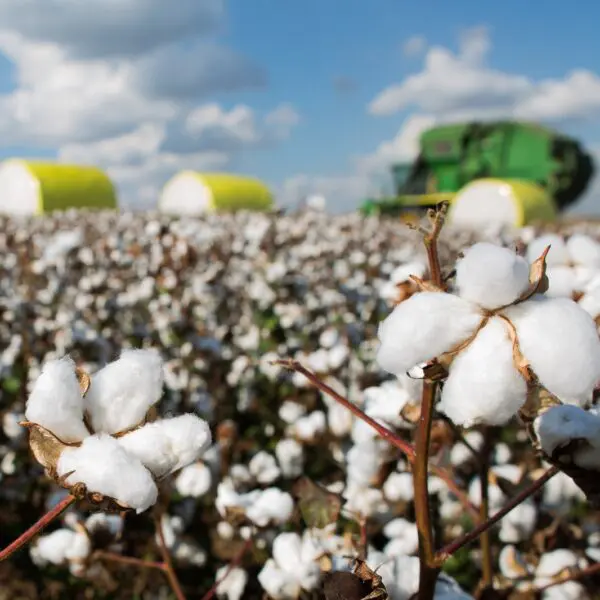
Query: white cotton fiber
{"x": 423, "y": 327}
{"x": 562, "y": 424}
{"x": 584, "y": 250}
{"x": 55, "y": 401}
{"x": 484, "y": 387}
{"x": 167, "y": 445}
{"x": 558, "y": 254}
{"x": 562, "y": 281}
{"x": 271, "y": 506}
{"x": 122, "y": 392}
{"x": 105, "y": 467}
{"x": 53, "y": 548}
{"x": 194, "y": 480}
{"x": 560, "y": 341}
{"x": 491, "y": 276}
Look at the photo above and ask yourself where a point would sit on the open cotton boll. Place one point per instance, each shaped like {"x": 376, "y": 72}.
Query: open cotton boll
{"x": 290, "y": 455}
{"x": 279, "y": 584}
{"x": 483, "y": 385}
{"x": 296, "y": 555}
{"x": 558, "y": 253}
{"x": 560, "y": 341}
{"x": 398, "y": 487}
{"x": 270, "y": 506}
{"x": 562, "y": 282}
{"x": 584, "y": 250}
{"x": 231, "y": 582}
{"x": 590, "y": 302}
{"x": 423, "y": 327}
{"x": 562, "y": 424}
{"x": 403, "y": 535}
{"x": 167, "y": 445}
{"x": 491, "y": 276}
{"x": 55, "y": 401}
{"x": 53, "y": 548}
{"x": 263, "y": 467}
{"x": 104, "y": 466}
{"x": 122, "y": 392}
{"x": 195, "y": 480}
{"x": 519, "y": 524}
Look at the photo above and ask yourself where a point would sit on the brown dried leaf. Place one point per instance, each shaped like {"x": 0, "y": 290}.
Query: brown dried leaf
{"x": 520, "y": 362}
{"x": 84, "y": 380}
{"x": 342, "y": 585}
{"x": 319, "y": 507}
{"x": 424, "y": 286}
{"x": 46, "y": 447}
{"x": 538, "y": 280}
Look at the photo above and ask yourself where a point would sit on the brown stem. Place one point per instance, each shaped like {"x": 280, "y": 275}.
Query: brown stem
{"x": 485, "y": 541}
{"x": 237, "y": 559}
{"x": 404, "y": 447}
{"x": 37, "y": 527}
{"x": 128, "y": 560}
{"x": 384, "y": 432}
{"x": 167, "y": 562}
{"x": 430, "y": 239}
{"x": 573, "y": 576}
{"x": 363, "y": 543}
{"x": 448, "y": 550}
{"x": 428, "y": 569}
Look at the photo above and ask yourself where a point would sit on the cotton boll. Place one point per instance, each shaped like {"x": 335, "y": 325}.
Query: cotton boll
{"x": 53, "y": 548}
{"x": 10, "y": 425}
{"x": 511, "y": 563}
{"x": 231, "y": 582}
{"x": 195, "y": 480}
{"x": 263, "y": 467}
{"x": 491, "y": 276}
{"x": 290, "y": 411}
{"x": 404, "y": 537}
{"x": 340, "y": 420}
{"x": 398, "y": 487}
{"x": 484, "y": 385}
{"x": 562, "y": 424}
{"x": 271, "y": 506}
{"x": 560, "y": 341}
{"x": 55, "y": 401}
{"x": 558, "y": 253}
{"x": 584, "y": 250}
{"x": 590, "y": 302}
{"x": 105, "y": 467}
{"x": 423, "y": 327}
{"x": 122, "y": 392}
{"x": 552, "y": 563}
{"x": 167, "y": 445}
{"x": 290, "y": 455}
{"x": 519, "y": 524}
{"x": 562, "y": 282}
{"x": 278, "y": 584}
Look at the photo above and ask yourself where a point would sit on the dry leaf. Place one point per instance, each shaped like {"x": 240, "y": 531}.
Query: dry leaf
{"x": 46, "y": 447}
{"x": 424, "y": 286}
{"x": 538, "y": 280}
{"x": 84, "y": 380}
{"x": 319, "y": 507}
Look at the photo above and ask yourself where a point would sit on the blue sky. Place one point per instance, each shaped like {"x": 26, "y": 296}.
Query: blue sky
{"x": 282, "y": 90}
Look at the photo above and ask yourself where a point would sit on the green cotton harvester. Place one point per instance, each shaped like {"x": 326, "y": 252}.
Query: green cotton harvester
{"x": 504, "y": 172}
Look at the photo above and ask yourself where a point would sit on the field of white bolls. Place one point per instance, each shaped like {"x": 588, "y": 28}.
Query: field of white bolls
{"x": 389, "y": 419}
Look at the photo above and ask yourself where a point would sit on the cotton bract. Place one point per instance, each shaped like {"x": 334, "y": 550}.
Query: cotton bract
{"x": 119, "y": 468}
{"x": 478, "y": 327}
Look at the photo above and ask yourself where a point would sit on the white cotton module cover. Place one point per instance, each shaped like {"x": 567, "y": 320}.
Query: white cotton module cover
{"x": 483, "y": 202}
{"x": 186, "y": 194}
{"x": 19, "y": 189}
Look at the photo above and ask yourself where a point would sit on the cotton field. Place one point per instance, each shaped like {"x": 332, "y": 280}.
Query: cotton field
{"x": 297, "y": 406}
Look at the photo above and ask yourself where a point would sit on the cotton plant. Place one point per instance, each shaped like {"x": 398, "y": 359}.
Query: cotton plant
{"x": 93, "y": 437}
{"x": 497, "y": 334}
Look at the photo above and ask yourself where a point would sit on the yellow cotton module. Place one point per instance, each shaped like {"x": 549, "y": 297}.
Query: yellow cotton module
{"x": 192, "y": 193}
{"x": 39, "y": 187}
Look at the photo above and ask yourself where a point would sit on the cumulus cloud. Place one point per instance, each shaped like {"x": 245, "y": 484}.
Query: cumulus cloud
{"x": 125, "y": 84}
{"x": 462, "y": 85}
{"x": 107, "y": 28}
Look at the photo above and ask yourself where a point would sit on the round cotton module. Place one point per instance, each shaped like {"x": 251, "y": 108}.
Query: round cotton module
{"x": 498, "y": 202}
{"x": 192, "y": 194}
{"x": 34, "y": 188}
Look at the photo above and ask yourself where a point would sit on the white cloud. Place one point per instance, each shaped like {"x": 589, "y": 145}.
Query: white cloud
{"x": 414, "y": 46}
{"x": 110, "y": 82}
{"x": 461, "y": 85}
{"x": 101, "y": 28}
